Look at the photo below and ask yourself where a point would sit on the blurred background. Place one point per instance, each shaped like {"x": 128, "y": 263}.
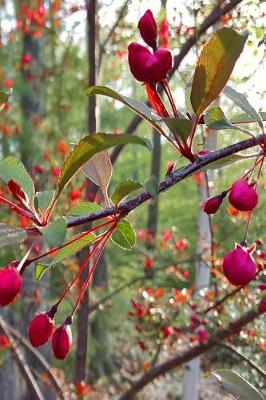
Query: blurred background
{"x": 138, "y": 310}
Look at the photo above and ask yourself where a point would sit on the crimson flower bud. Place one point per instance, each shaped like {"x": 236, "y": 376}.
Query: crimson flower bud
{"x": 243, "y": 196}
{"x": 262, "y": 306}
{"x": 10, "y": 284}
{"x": 147, "y": 67}
{"x": 148, "y": 29}
{"x": 212, "y": 204}
{"x": 26, "y": 58}
{"x": 62, "y": 341}
{"x": 41, "y": 328}
{"x": 239, "y": 267}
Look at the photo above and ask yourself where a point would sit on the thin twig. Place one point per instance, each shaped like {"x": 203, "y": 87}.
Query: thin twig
{"x": 21, "y": 363}
{"x": 215, "y": 340}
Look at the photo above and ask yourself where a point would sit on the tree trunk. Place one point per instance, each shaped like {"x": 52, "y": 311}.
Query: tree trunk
{"x": 152, "y": 221}
{"x": 192, "y": 369}
{"x": 33, "y": 106}
{"x": 83, "y": 310}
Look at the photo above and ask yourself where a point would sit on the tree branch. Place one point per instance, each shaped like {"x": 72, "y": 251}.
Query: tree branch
{"x": 190, "y": 354}
{"x": 221, "y": 9}
{"x": 177, "y": 176}
{"x": 21, "y": 363}
{"x": 47, "y": 367}
{"x": 103, "y": 45}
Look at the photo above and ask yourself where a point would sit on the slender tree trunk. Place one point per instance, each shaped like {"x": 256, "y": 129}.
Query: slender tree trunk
{"x": 83, "y": 311}
{"x": 32, "y": 101}
{"x": 192, "y": 369}
{"x": 152, "y": 221}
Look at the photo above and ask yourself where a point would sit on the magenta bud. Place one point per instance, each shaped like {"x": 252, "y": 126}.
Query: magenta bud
{"x": 147, "y": 67}
{"x": 212, "y": 205}
{"x": 40, "y": 329}
{"x": 10, "y": 284}
{"x": 262, "y": 306}
{"x": 239, "y": 267}
{"x": 62, "y": 341}
{"x": 243, "y": 196}
{"x": 148, "y": 29}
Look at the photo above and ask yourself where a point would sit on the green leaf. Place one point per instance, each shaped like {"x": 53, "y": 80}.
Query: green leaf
{"x": 215, "y": 119}
{"x": 135, "y": 105}
{"x": 214, "y": 67}
{"x": 3, "y": 100}
{"x": 84, "y": 208}
{"x": 99, "y": 170}
{"x": 225, "y": 161}
{"x": 123, "y": 189}
{"x": 66, "y": 251}
{"x": 55, "y": 231}
{"x": 87, "y": 148}
{"x": 244, "y": 118}
{"x": 180, "y": 127}
{"x": 12, "y": 168}
{"x": 236, "y": 385}
{"x": 151, "y": 185}
{"x": 241, "y": 101}
{"x": 188, "y": 101}
{"x": 44, "y": 199}
{"x": 124, "y": 235}
{"x": 10, "y": 235}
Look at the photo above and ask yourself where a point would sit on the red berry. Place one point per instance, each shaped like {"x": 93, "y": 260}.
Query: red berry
{"x": 148, "y": 28}
{"x": 239, "y": 267}
{"x": 10, "y": 284}
{"x": 243, "y": 196}
{"x": 147, "y": 67}
{"x": 40, "y": 329}
{"x": 62, "y": 340}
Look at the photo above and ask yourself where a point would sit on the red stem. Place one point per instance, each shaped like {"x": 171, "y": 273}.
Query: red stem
{"x": 67, "y": 243}
{"x": 18, "y": 209}
{"x": 84, "y": 265}
{"x": 105, "y": 238}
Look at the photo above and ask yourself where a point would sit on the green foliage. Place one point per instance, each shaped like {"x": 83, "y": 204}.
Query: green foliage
{"x": 216, "y": 119}
{"x": 12, "y": 168}
{"x": 225, "y": 161}
{"x": 68, "y": 250}
{"x": 135, "y": 105}
{"x": 152, "y": 186}
{"x": 84, "y": 208}
{"x": 123, "y": 189}
{"x": 236, "y": 385}
{"x": 55, "y": 232}
{"x": 87, "y": 148}
{"x": 180, "y": 127}
{"x": 43, "y": 199}
{"x": 99, "y": 170}
{"x": 223, "y": 49}
{"x": 241, "y": 101}
{"x": 124, "y": 235}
